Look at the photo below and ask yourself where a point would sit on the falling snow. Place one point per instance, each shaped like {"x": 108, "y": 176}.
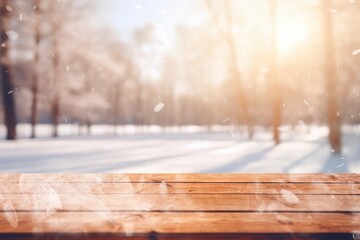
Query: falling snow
{"x": 65, "y": 119}
{"x": 158, "y": 107}
{"x": 9, "y": 8}
{"x": 12, "y": 35}
{"x": 306, "y": 102}
{"x": 356, "y": 52}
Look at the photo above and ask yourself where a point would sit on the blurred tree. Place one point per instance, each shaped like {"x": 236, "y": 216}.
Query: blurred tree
{"x": 143, "y": 60}
{"x": 35, "y": 77}
{"x": 333, "y": 112}
{"x": 59, "y": 17}
{"x": 228, "y": 34}
{"x": 5, "y": 76}
{"x": 274, "y": 77}
{"x": 167, "y": 117}
{"x": 212, "y": 74}
{"x": 119, "y": 54}
{"x": 346, "y": 41}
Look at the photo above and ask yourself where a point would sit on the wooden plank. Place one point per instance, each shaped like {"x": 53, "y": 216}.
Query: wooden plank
{"x": 179, "y": 202}
{"x": 157, "y": 236}
{"x": 183, "y": 205}
{"x": 178, "y": 223}
{"x": 60, "y": 236}
{"x": 170, "y": 178}
{"x": 179, "y": 188}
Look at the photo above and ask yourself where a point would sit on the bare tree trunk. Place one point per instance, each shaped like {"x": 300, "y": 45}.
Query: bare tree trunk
{"x": 238, "y": 87}
{"x": 117, "y": 106}
{"x": 210, "y": 109}
{"x": 333, "y": 113}
{"x": 139, "y": 105}
{"x": 35, "y": 85}
{"x": 88, "y": 128}
{"x": 138, "y": 114}
{"x": 34, "y": 104}
{"x": 274, "y": 78}
{"x": 5, "y": 77}
{"x": 55, "y": 110}
{"x": 240, "y": 97}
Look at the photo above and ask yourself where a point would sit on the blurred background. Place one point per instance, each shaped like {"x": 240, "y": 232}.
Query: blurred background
{"x": 180, "y": 86}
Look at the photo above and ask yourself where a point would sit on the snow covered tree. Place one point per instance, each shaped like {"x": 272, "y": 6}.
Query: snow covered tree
{"x": 59, "y": 17}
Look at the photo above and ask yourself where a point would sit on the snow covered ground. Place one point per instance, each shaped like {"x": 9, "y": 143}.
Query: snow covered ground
{"x": 189, "y": 152}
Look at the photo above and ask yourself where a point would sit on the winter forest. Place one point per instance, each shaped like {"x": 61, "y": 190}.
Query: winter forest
{"x": 180, "y": 86}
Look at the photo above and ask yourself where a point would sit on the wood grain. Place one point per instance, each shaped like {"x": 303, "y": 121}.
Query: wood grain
{"x": 181, "y": 202}
{"x": 181, "y": 206}
{"x": 179, "y": 188}
{"x": 180, "y": 223}
{"x": 170, "y": 178}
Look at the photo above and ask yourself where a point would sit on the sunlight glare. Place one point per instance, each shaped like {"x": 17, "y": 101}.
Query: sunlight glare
{"x": 290, "y": 35}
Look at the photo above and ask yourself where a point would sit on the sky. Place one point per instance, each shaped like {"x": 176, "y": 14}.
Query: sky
{"x": 127, "y": 15}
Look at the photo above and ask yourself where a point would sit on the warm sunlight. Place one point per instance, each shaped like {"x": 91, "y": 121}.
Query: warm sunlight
{"x": 203, "y": 86}
{"x": 291, "y": 34}
{"x": 175, "y": 119}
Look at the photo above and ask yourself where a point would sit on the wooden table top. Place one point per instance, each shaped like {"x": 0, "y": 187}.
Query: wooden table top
{"x": 168, "y": 206}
